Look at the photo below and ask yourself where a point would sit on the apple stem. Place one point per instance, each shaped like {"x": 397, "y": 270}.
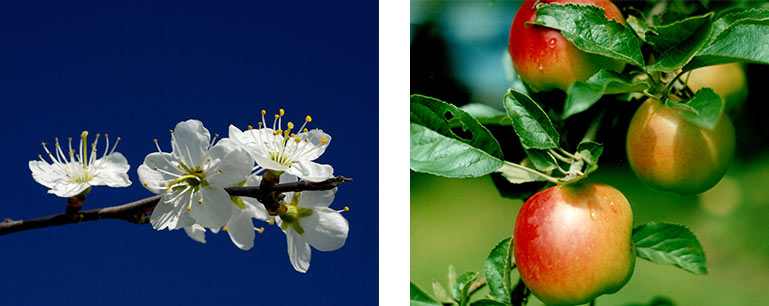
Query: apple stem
{"x": 669, "y": 87}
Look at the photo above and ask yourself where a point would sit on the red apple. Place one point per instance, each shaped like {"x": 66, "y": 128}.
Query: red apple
{"x": 573, "y": 243}
{"x": 670, "y": 153}
{"x": 544, "y": 59}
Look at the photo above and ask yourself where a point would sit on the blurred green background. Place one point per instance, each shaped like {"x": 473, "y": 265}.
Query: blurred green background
{"x": 457, "y": 54}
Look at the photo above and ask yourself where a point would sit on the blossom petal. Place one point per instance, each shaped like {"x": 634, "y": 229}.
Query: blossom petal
{"x": 314, "y": 146}
{"x": 319, "y": 199}
{"x": 311, "y": 171}
{"x": 298, "y": 251}
{"x": 196, "y": 232}
{"x": 241, "y": 229}
{"x": 171, "y": 215}
{"x": 66, "y": 189}
{"x": 235, "y": 164}
{"x": 152, "y": 180}
{"x": 216, "y": 207}
{"x": 190, "y": 142}
{"x": 44, "y": 173}
{"x": 112, "y": 171}
{"x": 326, "y": 229}
{"x": 264, "y": 161}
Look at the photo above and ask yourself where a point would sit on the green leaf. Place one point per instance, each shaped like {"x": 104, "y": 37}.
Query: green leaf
{"x": 487, "y": 302}
{"x": 530, "y": 122}
{"x": 587, "y": 28}
{"x": 464, "y": 282}
{"x": 452, "y": 276}
{"x": 703, "y": 109}
{"x": 582, "y": 95}
{"x": 486, "y": 114}
{"x": 447, "y": 141}
{"x": 496, "y": 269}
{"x": 590, "y": 150}
{"x": 541, "y": 160}
{"x": 738, "y": 36}
{"x": 516, "y": 175}
{"x": 420, "y": 298}
{"x": 640, "y": 27}
{"x": 440, "y": 294}
{"x": 678, "y": 42}
{"x": 723, "y": 22}
{"x": 666, "y": 243}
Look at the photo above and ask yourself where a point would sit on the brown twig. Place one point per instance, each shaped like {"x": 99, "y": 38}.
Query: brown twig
{"x": 137, "y": 211}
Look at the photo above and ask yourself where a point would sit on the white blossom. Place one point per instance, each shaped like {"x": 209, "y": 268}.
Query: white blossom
{"x": 70, "y": 174}
{"x": 192, "y": 178}
{"x": 282, "y": 150}
{"x": 310, "y": 222}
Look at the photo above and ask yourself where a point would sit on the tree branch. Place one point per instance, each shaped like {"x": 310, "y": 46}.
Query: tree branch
{"x": 138, "y": 211}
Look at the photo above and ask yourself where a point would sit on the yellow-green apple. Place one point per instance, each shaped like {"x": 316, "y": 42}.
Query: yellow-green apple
{"x": 669, "y": 152}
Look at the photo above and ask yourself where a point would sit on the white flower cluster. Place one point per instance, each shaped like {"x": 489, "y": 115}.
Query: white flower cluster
{"x": 193, "y": 177}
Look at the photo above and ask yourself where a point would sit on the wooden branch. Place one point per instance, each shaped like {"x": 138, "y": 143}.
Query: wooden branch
{"x": 138, "y": 211}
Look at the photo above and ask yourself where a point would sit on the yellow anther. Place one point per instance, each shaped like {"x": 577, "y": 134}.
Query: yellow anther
{"x": 164, "y": 202}
{"x": 84, "y": 134}
{"x": 216, "y": 135}
{"x": 221, "y": 171}
{"x": 224, "y": 228}
{"x": 305, "y": 130}
{"x": 346, "y": 208}
{"x": 290, "y": 125}
{"x": 97, "y": 134}
{"x": 264, "y": 112}
{"x": 145, "y": 184}
{"x": 172, "y": 131}
{"x": 93, "y": 144}
{"x": 56, "y": 138}
{"x": 106, "y": 135}
{"x": 155, "y": 168}
{"x": 260, "y": 123}
{"x": 323, "y": 140}
{"x": 279, "y": 132}
{"x": 250, "y": 127}
{"x": 43, "y": 142}
{"x": 276, "y": 116}
{"x": 200, "y": 201}
{"x": 260, "y": 230}
{"x": 282, "y": 112}
{"x": 272, "y": 221}
{"x": 155, "y": 140}
{"x": 57, "y": 145}
{"x": 69, "y": 138}
{"x": 189, "y": 208}
{"x": 308, "y": 118}
{"x": 298, "y": 140}
{"x": 40, "y": 156}
{"x": 118, "y": 138}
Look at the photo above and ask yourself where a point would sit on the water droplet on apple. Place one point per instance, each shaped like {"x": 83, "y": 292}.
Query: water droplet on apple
{"x": 551, "y": 43}
{"x": 613, "y": 207}
{"x": 540, "y": 67}
{"x": 593, "y": 215}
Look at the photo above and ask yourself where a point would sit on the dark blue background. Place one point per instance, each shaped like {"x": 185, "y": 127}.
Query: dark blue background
{"x": 136, "y": 69}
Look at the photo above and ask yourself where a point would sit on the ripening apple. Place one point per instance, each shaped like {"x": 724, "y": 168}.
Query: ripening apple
{"x": 668, "y": 152}
{"x": 727, "y": 80}
{"x": 573, "y": 243}
{"x": 544, "y": 59}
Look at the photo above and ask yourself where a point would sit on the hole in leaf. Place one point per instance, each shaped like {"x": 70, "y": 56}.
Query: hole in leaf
{"x": 448, "y": 115}
{"x": 462, "y": 133}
